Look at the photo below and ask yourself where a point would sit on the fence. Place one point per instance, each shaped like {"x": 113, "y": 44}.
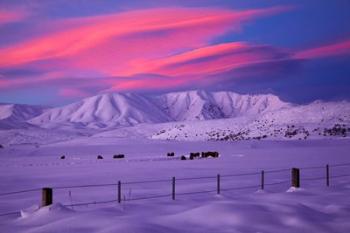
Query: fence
{"x": 295, "y": 181}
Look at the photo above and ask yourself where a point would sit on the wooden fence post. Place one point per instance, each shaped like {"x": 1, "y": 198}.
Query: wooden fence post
{"x": 262, "y": 180}
{"x": 296, "y": 177}
{"x": 173, "y": 188}
{"x": 327, "y": 175}
{"x": 46, "y": 197}
{"x": 218, "y": 184}
{"x": 119, "y": 192}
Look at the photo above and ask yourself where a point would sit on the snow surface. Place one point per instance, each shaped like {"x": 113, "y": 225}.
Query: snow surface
{"x": 314, "y": 208}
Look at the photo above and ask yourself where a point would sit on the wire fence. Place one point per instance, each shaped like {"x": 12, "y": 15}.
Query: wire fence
{"x": 324, "y": 170}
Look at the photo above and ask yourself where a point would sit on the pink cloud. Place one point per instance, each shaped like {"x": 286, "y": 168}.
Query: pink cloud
{"x": 325, "y": 51}
{"x": 11, "y": 16}
{"x": 166, "y": 41}
{"x": 108, "y": 43}
{"x": 208, "y": 60}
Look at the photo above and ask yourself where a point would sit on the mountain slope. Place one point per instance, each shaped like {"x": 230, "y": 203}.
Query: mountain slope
{"x": 117, "y": 109}
{"x": 16, "y": 115}
{"x": 315, "y": 120}
{"x": 105, "y": 110}
{"x": 202, "y": 105}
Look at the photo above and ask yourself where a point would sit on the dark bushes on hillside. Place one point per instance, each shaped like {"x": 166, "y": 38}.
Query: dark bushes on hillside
{"x": 119, "y": 156}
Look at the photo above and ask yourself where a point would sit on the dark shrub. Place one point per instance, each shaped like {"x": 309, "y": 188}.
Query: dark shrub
{"x": 183, "y": 157}
{"x": 99, "y": 157}
{"x": 1, "y": 146}
{"x": 194, "y": 155}
{"x": 170, "y": 154}
{"x": 119, "y": 156}
{"x": 63, "y": 157}
{"x": 213, "y": 154}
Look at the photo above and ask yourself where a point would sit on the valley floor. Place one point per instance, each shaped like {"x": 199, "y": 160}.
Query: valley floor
{"x": 240, "y": 207}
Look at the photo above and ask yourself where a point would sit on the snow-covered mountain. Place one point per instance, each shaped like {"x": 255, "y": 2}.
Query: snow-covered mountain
{"x": 202, "y": 105}
{"x": 315, "y": 120}
{"x": 105, "y": 110}
{"x": 188, "y": 113}
{"x": 16, "y": 115}
{"x": 119, "y": 109}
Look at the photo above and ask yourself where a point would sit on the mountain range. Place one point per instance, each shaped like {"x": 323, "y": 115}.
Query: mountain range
{"x": 128, "y": 109}
{"x": 244, "y": 113}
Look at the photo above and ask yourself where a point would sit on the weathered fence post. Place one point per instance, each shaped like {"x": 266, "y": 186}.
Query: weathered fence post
{"x": 218, "y": 184}
{"x": 262, "y": 180}
{"x": 46, "y": 197}
{"x": 119, "y": 192}
{"x": 327, "y": 175}
{"x": 173, "y": 188}
{"x": 296, "y": 177}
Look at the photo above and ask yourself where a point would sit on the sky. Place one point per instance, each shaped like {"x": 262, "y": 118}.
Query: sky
{"x": 57, "y": 52}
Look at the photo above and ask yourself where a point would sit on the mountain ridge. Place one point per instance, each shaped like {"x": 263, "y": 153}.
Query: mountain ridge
{"x": 110, "y": 110}
{"x": 128, "y": 109}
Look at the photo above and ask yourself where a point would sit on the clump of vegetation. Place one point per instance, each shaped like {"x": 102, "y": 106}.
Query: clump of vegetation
{"x": 213, "y": 154}
{"x": 194, "y": 155}
{"x": 336, "y": 130}
{"x": 1, "y": 146}
{"x": 99, "y": 157}
{"x": 119, "y": 156}
{"x": 292, "y": 131}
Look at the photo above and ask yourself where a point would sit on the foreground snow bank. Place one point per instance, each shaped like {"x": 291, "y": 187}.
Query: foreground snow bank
{"x": 36, "y": 212}
{"x": 318, "y": 211}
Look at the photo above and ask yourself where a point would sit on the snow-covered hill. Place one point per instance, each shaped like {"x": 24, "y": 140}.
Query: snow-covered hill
{"x": 318, "y": 119}
{"x": 16, "y": 115}
{"x": 102, "y": 111}
{"x": 187, "y": 115}
{"x": 119, "y": 109}
{"x": 202, "y": 105}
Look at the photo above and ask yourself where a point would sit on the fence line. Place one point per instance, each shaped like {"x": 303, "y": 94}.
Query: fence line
{"x": 167, "y": 180}
{"x": 21, "y": 191}
{"x": 327, "y": 177}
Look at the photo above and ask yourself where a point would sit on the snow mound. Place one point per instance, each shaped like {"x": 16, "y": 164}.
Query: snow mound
{"x": 294, "y": 190}
{"x": 38, "y": 212}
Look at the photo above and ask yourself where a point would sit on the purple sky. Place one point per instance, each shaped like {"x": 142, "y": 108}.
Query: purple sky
{"x": 55, "y": 52}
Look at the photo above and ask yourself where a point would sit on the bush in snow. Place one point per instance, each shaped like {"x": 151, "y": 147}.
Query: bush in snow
{"x": 1, "y": 146}
{"x": 194, "y": 155}
{"x": 213, "y": 154}
{"x": 183, "y": 157}
{"x": 99, "y": 157}
{"x": 337, "y": 130}
{"x": 63, "y": 157}
{"x": 170, "y": 154}
{"x": 120, "y": 156}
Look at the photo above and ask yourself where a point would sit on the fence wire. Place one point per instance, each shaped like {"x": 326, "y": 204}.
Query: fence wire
{"x": 178, "y": 179}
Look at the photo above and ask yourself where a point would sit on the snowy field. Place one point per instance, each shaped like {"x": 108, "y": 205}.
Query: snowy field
{"x": 148, "y": 206}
